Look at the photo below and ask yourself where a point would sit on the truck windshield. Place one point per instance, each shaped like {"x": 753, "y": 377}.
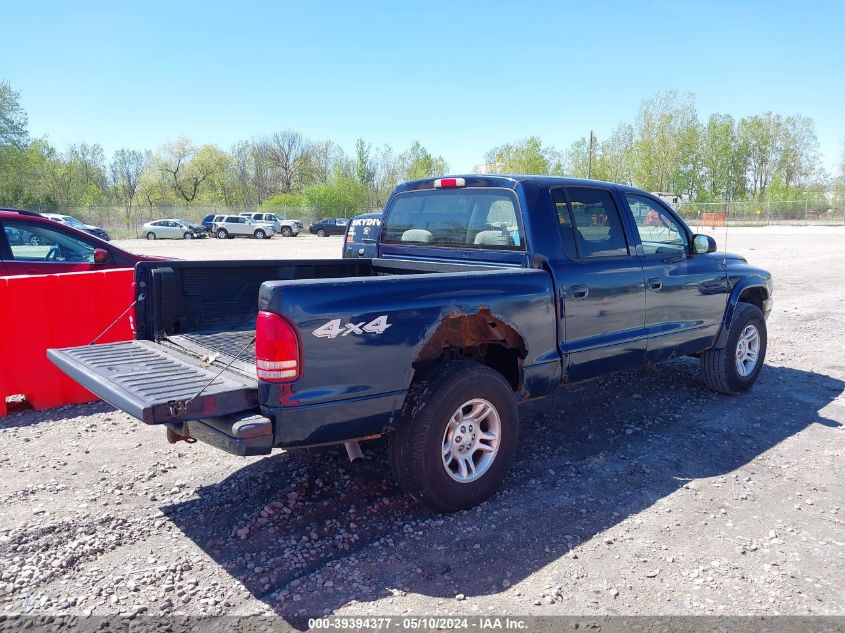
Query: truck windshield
{"x": 479, "y": 217}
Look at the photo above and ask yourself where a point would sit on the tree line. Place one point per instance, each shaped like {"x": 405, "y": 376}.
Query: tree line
{"x": 666, "y": 148}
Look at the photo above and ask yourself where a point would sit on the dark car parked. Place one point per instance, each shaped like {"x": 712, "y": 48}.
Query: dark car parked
{"x": 362, "y": 235}
{"x": 31, "y": 244}
{"x": 328, "y": 226}
{"x": 72, "y": 221}
{"x": 208, "y": 221}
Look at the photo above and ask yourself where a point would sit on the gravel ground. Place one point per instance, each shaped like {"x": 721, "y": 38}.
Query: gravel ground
{"x": 641, "y": 493}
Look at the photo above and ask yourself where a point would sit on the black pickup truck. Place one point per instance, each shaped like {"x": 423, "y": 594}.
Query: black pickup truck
{"x": 486, "y": 291}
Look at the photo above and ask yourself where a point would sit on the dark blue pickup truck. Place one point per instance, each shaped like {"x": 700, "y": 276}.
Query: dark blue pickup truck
{"x": 487, "y": 291}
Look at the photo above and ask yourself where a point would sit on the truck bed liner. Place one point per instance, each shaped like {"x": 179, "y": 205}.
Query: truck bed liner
{"x": 156, "y": 384}
{"x": 236, "y": 347}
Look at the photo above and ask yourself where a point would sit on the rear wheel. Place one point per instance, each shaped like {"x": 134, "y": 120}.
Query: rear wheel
{"x": 259, "y": 234}
{"x": 456, "y": 437}
{"x": 735, "y": 368}
{"x": 321, "y": 233}
{"x": 222, "y": 234}
{"x": 286, "y": 231}
{"x": 151, "y": 235}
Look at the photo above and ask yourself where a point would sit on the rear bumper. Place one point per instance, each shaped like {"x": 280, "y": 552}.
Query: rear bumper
{"x": 254, "y": 433}
{"x": 244, "y": 434}
{"x": 334, "y": 422}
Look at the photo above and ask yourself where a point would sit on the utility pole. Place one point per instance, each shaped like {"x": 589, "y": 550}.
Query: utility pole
{"x": 590, "y": 160}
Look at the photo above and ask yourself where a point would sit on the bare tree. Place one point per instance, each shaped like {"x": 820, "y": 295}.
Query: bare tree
{"x": 288, "y": 153}
{"x": 126, "y": 168}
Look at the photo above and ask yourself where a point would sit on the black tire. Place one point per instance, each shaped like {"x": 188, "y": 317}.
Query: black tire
{"x": 719, "y": 367}
{"x": 322, "y": 233}
{"x": 416, "y": 456}
{"x": 259, "y": 234}
{"x": 287, "y": 231}
{"x": 188, "y": 235}
{"x": 222, "y": 234}
{"x": 151, "y": 235}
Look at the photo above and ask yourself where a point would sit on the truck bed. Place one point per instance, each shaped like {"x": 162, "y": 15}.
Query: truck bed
{"x": 195, "y": 322}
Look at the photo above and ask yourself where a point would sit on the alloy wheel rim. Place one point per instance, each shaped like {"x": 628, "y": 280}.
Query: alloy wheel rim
{"x": 747, "y": 351}
{"x": 471, "y": 440}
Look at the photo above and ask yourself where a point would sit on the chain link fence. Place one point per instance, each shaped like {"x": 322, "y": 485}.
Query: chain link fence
{"x": 755, "y": 213}
{"x": 119, "y": 224}
{"x": 762, "y": 213}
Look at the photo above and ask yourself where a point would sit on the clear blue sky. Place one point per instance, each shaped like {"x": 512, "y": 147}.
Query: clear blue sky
{"x": 459, "y": 77}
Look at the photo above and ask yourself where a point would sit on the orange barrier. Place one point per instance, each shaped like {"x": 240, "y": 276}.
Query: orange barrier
{"x": 713, "y": 219}
{"x": 38, "y": 312}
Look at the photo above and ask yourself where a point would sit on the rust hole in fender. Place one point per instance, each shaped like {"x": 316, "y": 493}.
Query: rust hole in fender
{"x": 461, "y": 330}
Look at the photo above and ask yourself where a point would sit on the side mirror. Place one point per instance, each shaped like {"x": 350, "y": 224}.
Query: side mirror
{"x": 101, "y": 256}
{"x": 703, "y": 244}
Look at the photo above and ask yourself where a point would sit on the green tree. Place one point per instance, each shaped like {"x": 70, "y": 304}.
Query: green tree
{"x": 13, "y": 118}
{"x": 364, "y": 170}
{"x": 526, "y": 156}
{"x": 723, "y": 160}
{"x": 799, "y": 151}
{"x": 191, "y": 171}
{"x": 759, "y": 137}
{"x": 417, "y": 162}
{"x": 578, "y": 158}
{"x": 666, "y": 131}
{"x": 342, "y": 198}
{"x": 615, "y": 154}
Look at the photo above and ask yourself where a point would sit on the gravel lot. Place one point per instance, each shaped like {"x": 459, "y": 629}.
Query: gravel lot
{"x": 642, "y": 493}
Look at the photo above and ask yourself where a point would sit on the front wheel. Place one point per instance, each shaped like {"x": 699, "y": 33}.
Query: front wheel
{"x": 151, "y": 235}
{"x": 188, "y": 236}
{"x": 321, "y": 233}
{"x": 735, "y": 368}
{"x": 457, "y": 434}
{"x": 259, "y": 234}
{"x": 286, "y": 231}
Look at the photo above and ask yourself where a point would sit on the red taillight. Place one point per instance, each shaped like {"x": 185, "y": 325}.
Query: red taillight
{"x": 447, "y": 183}
{"x": 276, "y": 349}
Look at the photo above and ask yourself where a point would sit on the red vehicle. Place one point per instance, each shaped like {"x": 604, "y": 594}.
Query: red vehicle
{"x": 31, "y": 244}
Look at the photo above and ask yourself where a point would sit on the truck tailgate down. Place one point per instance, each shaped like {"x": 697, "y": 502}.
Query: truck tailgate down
{"x": 156, "y": 384}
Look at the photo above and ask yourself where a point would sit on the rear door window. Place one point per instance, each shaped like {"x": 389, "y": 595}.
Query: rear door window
{"x": 598, "y": 226}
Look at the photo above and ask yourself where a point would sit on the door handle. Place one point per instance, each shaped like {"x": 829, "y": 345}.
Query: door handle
{"x": 655, "y": 283}
{"x": 579, "y": 291}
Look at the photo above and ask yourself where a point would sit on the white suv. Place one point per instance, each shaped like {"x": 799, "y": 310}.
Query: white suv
{"x": 288, "y": 228}
{"x": 230, "y": 226}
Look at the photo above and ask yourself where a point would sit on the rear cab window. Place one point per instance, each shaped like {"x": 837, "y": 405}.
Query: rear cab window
{"x": 467, "y": 218}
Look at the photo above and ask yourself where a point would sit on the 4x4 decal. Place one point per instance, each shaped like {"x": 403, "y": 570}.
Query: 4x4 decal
{"x": 336, "y": 327}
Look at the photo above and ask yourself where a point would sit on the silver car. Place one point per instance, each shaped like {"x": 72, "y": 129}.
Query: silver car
{"x": 229, "y": 226}
{"x": 287, "y": 228}
{"x": 168, "y": 229}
